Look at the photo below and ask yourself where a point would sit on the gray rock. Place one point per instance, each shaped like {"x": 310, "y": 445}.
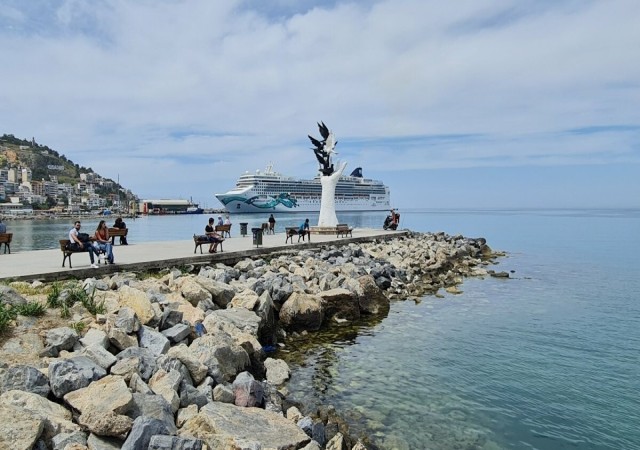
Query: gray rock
{"x": 247, "y": 391}
{"x": 100, "y": 356}
{"x": 144, "y": 428}
{"x": 153, "y": 340}
{"x": 95, "y": 442}
{"x": 63, "y": 338}
{"x": 159, "y": 442}
{"x": 177, "y": 333}
{"x": 221, "y": 425}
{"x": 221, "y": 293}
{"x": 18, "y": 434}
{"x": 147, "y": 360}
{"x": 302, "y": 312}
{"x": 73, "y": 374}
{"x": 95, "y": 337}
{"x": 136, "y": 384}
{"x": 153, "y": 406}
{"x": 190, "y": 395}
{"x": 60, "y": 441}
{"x": 223, "y": 393}
{"x": 127, "y": 320}
{"x": 306, "y": 425}
{"x": 170, "y": 318}
{"x": 24, "y": 378}
{"x": 11, "y": 297}
{"x": 277, "y": 371}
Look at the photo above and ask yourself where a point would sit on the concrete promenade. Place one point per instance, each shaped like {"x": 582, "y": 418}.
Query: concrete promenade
{"x": 46, "y": 265}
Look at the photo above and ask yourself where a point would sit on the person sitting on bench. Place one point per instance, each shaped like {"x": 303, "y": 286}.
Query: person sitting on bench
{"x": 214, "y": 237}
{"x": 78, "y": 244}
{"x": 119, "y": 223}
{"x": 304, "y": 229}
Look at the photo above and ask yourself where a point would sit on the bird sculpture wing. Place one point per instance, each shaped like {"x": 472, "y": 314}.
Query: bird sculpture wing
{"x": 319, "y": 145}
{"x": 324, "y": 131}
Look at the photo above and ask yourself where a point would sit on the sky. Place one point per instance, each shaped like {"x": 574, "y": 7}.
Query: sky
{"x": 461, "y": 104}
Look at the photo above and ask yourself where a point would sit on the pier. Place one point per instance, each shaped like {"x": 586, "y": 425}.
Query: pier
{"x": 46, "y": 265}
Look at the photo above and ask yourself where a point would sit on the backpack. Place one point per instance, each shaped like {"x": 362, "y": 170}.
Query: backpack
{"x": 84, "y": 237}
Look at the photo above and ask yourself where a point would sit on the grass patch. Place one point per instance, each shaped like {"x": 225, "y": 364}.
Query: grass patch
{"x": 33, "y": 309}
{"x": 74, "y": 293}
{"x": 7, "y": 315}
{"x": 79, "y": 327}
{"x": 53, "y": 297}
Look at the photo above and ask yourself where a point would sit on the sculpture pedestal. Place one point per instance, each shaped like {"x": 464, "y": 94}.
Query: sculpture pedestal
{"x": 322, "y": 230}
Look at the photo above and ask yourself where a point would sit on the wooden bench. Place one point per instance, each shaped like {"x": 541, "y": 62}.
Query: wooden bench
{"x": 342, "y": 229}
{"x": 117, "y": 232}
{"x": 222, "y": 229}
{"x": 67, "y": 252}
{"x": 5, "y": 238}
{"x": 294, "y": 231}
{"x": 202, "y": 239}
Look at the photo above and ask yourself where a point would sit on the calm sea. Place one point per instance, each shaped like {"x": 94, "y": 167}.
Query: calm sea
{"x": 549, "y": 359}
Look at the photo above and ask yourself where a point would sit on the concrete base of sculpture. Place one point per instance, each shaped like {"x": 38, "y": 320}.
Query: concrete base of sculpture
{"x": 322, "y": 230}
{"x": 328, "y": 216}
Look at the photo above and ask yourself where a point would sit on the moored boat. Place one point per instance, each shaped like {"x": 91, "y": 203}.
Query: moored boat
{"x": 272, "y": 191}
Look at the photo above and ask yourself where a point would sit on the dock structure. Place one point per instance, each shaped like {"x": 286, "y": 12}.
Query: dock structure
{"x": 46, "y": 265}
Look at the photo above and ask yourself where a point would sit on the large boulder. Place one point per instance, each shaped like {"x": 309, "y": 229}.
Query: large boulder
{"x": 340, "y": 304}
{"x": 302, "y": 312}
{"x": 72, "y": 374}
{"x": 56, "y": 418}
{"x": 107, "y": 394}
{"x": 144, "y": 428}
{"x": 371, "y": 298}
{"x": 154, "y": 406}
{"x": 63, "y": 338}
{"x": 221, "y": 425}
{"x": 138, "y": 302}
{"x": 24, "y": 378}
{"x": 222, "y": 356}
{"x": 222, "y": 293}
{"x": 18, "y": 434}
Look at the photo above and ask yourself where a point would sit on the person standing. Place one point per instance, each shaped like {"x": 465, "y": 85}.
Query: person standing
{"x": 119, "y": 223}
{"x": 220, "y": 221}
{"x": 78, "y": 244}
{"x": 3, "y": 227}
{"x": 102, "y": 240}
{"x": 227, "y": 220}
{"x": 272, "y": 224}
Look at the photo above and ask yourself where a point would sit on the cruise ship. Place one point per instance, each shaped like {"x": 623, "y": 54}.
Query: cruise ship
{"x": 274, "y": 192}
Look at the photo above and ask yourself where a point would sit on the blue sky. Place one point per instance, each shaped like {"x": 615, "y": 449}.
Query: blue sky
{"x": 473, "y": 103}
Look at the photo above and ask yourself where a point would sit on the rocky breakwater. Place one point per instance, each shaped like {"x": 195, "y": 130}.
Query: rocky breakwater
{"x": 178, "y": 361}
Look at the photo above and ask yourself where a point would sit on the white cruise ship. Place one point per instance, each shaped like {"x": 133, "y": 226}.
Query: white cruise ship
{"x": 272, "y": 191}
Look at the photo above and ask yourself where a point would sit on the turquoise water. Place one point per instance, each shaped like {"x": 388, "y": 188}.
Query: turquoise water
{"x": 549, "y": 359}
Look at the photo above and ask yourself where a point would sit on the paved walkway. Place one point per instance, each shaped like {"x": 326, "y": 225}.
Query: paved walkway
{"x": 46, "y": 265}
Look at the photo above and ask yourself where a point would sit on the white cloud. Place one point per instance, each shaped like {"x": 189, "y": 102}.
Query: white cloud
{"x": 157, "y": 85}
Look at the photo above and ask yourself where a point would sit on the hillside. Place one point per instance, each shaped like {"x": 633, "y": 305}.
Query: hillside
{"x": 48, "y": 165}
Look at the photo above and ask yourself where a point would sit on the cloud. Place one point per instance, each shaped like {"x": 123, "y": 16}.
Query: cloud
{"x": 185, "y": 96}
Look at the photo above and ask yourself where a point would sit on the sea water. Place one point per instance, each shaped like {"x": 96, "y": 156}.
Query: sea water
{"x": 547, "y": 359}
